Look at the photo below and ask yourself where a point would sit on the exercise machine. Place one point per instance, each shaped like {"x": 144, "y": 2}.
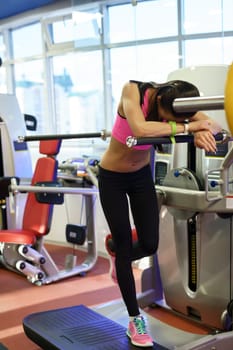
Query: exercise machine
{"x": 193, "y": 196}
{"x": 23, "y": 250}
{"x": 22, "y": 247}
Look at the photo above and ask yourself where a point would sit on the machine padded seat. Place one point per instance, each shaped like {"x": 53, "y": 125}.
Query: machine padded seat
{"x": 18, "y": 236}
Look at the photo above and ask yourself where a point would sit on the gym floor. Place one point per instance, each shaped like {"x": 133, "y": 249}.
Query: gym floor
{"x": 20, "y": 298}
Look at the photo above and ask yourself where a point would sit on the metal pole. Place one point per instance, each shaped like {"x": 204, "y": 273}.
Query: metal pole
{"x": 194, "y": 104}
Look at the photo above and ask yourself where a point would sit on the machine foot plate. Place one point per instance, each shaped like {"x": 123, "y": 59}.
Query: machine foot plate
{"x": 77, "y": 328}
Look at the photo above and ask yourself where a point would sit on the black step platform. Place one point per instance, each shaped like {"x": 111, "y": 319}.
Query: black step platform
{"x": 77, "y": 328}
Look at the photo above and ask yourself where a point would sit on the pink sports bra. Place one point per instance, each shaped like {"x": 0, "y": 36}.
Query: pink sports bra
{"x": 121, "y": 129}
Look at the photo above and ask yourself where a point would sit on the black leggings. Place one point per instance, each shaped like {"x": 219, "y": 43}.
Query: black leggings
{"x": 116, "y": 191}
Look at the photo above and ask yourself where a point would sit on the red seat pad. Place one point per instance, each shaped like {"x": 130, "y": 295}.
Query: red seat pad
{"x": 17, "y": 236}
{"x": 37, "y": 216}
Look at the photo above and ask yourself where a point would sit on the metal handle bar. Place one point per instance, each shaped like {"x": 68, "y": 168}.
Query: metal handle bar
{"x": 132, "y": 141}
{"x": 45, "y": 189}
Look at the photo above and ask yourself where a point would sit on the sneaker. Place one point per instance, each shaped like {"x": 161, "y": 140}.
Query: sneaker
{"x": 138, "y": 334}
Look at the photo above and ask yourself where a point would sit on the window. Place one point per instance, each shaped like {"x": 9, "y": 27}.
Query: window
{"x": 202, "y": 16}
{"x": 27, "y": 41}
{"x": 30, "y": 92}
{"x": 78, "y": 91}
{"x": 144, "y": 62}
{"x": 227, "y": 50}
{"x": 2, "y": 48}
{"x": 227, "y": 15}
{"x": 70, "y": 69}
{"x": 3, "y": 88}
{"x": 208, "y": 51}
{"x": 148, "y": 19}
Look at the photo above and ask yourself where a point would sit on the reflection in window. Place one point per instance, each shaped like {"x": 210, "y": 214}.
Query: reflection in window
{"x": 144, "y": 21}
{"x": 84, "y": 28}
{"x": 61, "y": 31}
{"x": 78, "y": 90}
{"x": 29, "y": 87}
{"x": 27, "y": 41}
{"x": 144, "y": 62}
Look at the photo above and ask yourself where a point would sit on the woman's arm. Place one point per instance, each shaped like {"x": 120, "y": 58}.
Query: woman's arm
{"x": 200, "y": 124}
{"x": 130, "y": 108}
{"x": 201, "y": 121}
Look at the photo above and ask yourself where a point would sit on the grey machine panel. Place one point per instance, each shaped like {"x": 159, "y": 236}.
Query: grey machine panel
{"x": 12, "y": 125}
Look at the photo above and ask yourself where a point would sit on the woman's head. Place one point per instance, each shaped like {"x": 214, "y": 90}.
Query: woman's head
{"x": 176, "y": 89}
{"x": 166, "y": 94}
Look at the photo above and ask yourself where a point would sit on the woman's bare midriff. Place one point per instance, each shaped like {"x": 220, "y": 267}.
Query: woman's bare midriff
{"x": 119, "y": 157}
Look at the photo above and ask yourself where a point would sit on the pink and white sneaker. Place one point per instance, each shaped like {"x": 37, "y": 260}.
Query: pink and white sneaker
{"x": 137, "y": 332}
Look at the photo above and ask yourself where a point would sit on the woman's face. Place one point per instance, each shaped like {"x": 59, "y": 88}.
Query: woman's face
{"x": 167, "y": 116}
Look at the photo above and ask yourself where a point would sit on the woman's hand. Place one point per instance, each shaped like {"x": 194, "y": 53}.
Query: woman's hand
{"x": 201, "y": 121}
{"x": 205, "y": 124}
{"x": 204, "y": 130}
{"x": 204, "y": 139}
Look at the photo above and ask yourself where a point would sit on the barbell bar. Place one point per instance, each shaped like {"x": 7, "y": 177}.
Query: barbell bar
{"x": 103, "y": 135}
{"x": 194, "y": 104}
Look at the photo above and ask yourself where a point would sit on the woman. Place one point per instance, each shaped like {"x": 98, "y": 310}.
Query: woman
{"x": 145, "y": 109}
